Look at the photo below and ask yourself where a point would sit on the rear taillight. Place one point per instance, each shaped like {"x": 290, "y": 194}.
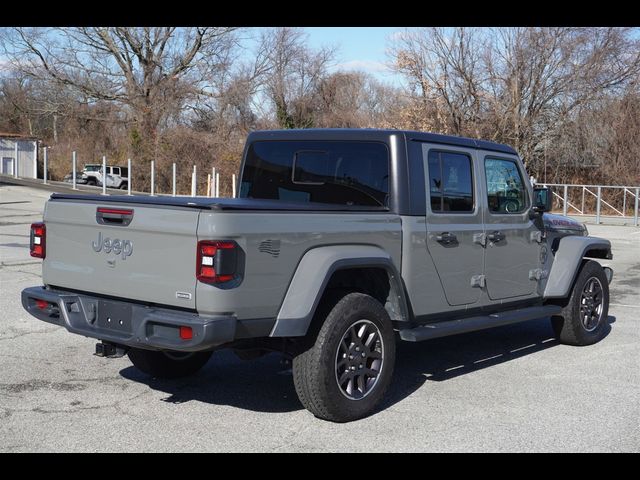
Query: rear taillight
{"x": 216, "y": 261}
{"x": 37, "y": 245}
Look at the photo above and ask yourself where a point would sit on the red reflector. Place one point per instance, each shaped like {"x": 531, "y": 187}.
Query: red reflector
{"x": 37, "y": 251}
{"x": 115, "y": 211}
{"x": 42, "y": 304}
{"x": 186, "y": 333}
{"x": 38, "y": 231}
{"x": 209, "y": 250}
{"x": 207, "y": 272}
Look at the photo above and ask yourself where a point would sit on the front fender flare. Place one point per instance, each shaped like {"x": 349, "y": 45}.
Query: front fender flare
{"x": 566, "y": 263}
{"x": 312, "y": 275}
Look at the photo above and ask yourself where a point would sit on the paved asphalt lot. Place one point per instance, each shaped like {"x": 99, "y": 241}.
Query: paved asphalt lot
{"x": 508, "y": 389}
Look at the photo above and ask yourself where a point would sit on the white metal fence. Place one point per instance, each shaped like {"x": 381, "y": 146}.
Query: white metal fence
{"x": 572, "y": 199}
{"x": 596, "y": 200}
{"x": 214, "y": 179}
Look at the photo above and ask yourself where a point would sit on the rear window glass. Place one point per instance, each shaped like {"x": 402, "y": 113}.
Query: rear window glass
{"x": 343, "y": 173}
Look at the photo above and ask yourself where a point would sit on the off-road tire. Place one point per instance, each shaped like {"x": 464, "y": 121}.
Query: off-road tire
{"x": 569, "y": 326}
{"x": 314, "y": 370}
{"x": 168, "y": 364}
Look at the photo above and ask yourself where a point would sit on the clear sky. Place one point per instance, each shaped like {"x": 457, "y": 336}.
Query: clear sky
{"x": 358, "y": 48}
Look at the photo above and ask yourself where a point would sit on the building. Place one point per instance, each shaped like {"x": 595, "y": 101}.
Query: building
{"x": 18, "y": 152}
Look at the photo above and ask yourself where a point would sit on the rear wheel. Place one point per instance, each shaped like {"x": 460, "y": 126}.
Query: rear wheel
{"x": 168, "y": 364}
{"x": 583, "y": 320}
{"x": 347, "y": 370}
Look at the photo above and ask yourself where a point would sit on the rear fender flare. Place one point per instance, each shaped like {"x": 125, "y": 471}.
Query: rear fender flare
{"x": 313, "y": 274}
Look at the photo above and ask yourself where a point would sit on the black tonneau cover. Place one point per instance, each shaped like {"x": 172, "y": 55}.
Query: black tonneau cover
{"x": 220, "y": 204}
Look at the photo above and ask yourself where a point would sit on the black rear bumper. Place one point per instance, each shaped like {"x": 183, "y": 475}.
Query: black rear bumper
{"x": 128, "y": 323}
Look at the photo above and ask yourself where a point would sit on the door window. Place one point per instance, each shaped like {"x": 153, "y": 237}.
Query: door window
{"x": 506, "y": 192}
{"x": 450, "y": 182}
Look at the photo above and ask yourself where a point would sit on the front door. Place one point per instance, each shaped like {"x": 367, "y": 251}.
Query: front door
{"x": 512, "y": 250}
{"x": 454, "y": 222}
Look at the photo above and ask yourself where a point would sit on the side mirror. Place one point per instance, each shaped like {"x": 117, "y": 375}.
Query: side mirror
{"x": 542, "y": 199}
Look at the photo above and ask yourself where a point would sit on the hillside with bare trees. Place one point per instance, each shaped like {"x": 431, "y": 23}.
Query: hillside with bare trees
{"x": 568, "y": 99}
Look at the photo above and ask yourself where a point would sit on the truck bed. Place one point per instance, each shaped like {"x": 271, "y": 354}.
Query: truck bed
{"x": 160, "y": 265}
{"x": 218, "y": 204}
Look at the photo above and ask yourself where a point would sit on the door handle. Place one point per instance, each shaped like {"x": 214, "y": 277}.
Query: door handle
{"x": 446, "y": 238}
{"x": 496, "y": 236}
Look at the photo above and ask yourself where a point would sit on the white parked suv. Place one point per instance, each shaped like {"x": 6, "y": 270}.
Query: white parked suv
{"x": 117, "y": 177}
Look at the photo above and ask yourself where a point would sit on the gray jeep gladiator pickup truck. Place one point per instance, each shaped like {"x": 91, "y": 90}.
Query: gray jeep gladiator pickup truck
{"x": 341, "y": 242}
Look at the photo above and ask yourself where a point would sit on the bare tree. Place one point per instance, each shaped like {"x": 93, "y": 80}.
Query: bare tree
{"x": 443, "y": 70}
{"x": 295, "y": 71}
{"x": 541, "y": 77}
{"x": 150, "y": 71}
{"x": 516, "y": 85}
{"x": 567, "y": 98}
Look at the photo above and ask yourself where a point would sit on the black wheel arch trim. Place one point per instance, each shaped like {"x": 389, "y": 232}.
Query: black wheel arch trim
{"x": 298, "y": 326}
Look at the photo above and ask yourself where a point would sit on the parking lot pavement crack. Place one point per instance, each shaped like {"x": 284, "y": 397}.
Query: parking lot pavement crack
{"x": 23, "y": 334}
{"x": 33, "y": 385}
{"x": 116, "y": 405}
{"x": 292, "y": 439}
{"x": 28, "y": 273}
{"x": 18, "y": 263}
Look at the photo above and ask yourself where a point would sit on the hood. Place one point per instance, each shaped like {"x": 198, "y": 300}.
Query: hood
{"x": 562, "y": 224}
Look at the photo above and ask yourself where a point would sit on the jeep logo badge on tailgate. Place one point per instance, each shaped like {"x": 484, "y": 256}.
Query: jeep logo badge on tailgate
{"x": 124, "y": 248}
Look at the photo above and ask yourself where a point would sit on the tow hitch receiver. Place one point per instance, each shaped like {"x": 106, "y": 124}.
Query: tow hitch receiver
{"x": 110, "y": 350}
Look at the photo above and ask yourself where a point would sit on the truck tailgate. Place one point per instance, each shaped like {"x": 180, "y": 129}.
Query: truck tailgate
{"x": 152, "y": 259}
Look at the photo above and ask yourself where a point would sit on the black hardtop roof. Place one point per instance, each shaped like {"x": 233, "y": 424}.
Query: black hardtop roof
{"x": 377, "y": 134}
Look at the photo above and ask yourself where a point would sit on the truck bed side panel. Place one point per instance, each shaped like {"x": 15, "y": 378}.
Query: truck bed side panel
{"x": 273, "y": 245}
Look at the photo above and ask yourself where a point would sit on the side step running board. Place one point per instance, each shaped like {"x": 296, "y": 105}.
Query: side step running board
{"x": 471, "y": 324}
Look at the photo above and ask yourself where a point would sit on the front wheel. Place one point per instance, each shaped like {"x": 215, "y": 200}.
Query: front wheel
{"x": 583, "y": 320}
{"x": 168, "y": 364}
{"x": 346, "y": 372}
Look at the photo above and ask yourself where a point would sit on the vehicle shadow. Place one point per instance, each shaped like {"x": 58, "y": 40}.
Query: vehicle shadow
{"x": 265, "y": 385}
{"x": 444, "y": 358}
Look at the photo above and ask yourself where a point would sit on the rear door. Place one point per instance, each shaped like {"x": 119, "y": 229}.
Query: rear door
{"x": 454, "y": 222}
{"x": 512, "y": 252}
{"x": 150, "y": 259}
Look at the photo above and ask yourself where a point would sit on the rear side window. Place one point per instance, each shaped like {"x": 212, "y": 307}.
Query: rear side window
{"x": 343, "y": 173}
{"x": 450, "y": 182}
